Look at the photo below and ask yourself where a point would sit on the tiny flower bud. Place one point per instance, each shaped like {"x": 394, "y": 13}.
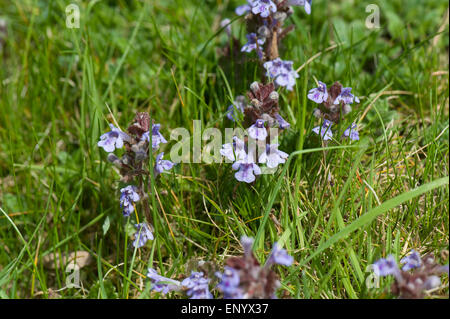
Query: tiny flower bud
{"x": 254, "y": 86}
{"x": 126, "y": 160}
{"x": 274, "y": 95}
{"x": 263, "y": 31}
{"x": 317, "y": 113}
{"x": 280, "y": 16}
{"x": 256, "y": 103}
{"x": 115, "y": 160}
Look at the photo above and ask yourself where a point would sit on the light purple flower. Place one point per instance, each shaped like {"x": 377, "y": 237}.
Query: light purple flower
{"x": 346, "y": 96}
{"x": 229, "y": 283}
{"x": 352, "y": 132}
{"x": 263, "y": 7}
{"x": 157, "y": 137}
{"x": 244, "y": 9}
{"x": 253, "y": 43}
{"x": 128, "y": 196}
{"x": 302, "y": 3}
{"x": 235, "y": 150}
{"x": 281, "y": 122}
{"x": 143, "y": 234}
{"x": 113, "y": 139}
{"x": 197, "y": 286}
{"x": 247, "y": 169}
{"x": 325, "y": 130}
{"x": 162, "y": 284}
{"x": 287, "y": 79}
{"x": 282, "y": 72}
{"x": 238, "y": 104}
{"x": 162, "y": 165}
{"x": 385, "y": 267}
{"x": 279, "y": 256}
{"x": 273, "y": 156}
{"x": 411, "y": 261}
{"x": 319, "y": 94}
{"x": 257, "y": 131}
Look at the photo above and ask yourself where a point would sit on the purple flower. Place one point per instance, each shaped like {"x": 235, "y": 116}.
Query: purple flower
{"x": 247, "y": 169}
{"x": 281, "y": 122}
{"x": 143, "y": 234}
{"x": 263, "y": 7}
{"x": 128, "y": 196}
{"x": 411, "y": 261}
{"x": 238, "y": 104}
{"x": 257, "y": 131}
{"x": 229, "y": 283}
{"x": 273, "y": 156}
{"x": 352, "y": 132}
{"x": 234, "y": 151}
{"x": 325, "y": 130}
{"x": 197, "y": 286}
{"x": 302, "y": 3}
{"x": 346, "y": 96}
{"x": 279, "y": 256}
{"x": 385, "y": 267}
{"x": 113, "y": 139}
{"x": 157, "y": 137}
{"x": 162, "y": 284}
{"x": 253, "y": 43}
{"x": 162, "y": 165}
{"x": 282, "y": 72}
{"x": 244, "y": 8}
{"x": 274, "y": 67}
{"x": 320, "y": 94}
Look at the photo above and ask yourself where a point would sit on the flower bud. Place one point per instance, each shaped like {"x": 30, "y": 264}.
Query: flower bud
{"x": 263, "y": 31}
{"x": 254, "y": 86}
{"x": 270, "y": 120}
{"x": 274, "y": 95}
{"x": 256, "y": 103}
{"x": 114, "y": 159}
{"x": 317, "y": 113}
{"x": 280, "y": 16}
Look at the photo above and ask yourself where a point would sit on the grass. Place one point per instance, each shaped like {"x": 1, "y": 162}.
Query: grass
{"x": 335, "y": 208}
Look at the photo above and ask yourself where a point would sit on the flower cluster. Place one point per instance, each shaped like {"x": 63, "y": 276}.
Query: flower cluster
{"x": 244, "y": 277}
{"x": 411, "y": 284}
{"x": 196, "y": 285}
{"x": 334, "y": 104}
{"x": 132, "y": 165}
{"x": 265, "y": 21}
{"x": 262, "y": 114}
